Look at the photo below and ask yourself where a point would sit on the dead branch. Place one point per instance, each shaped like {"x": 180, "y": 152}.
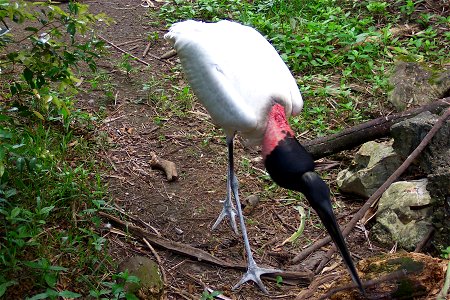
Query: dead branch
{"x": 373, "y": 199}
{"x": 169, "y": 54}
{"x": 368, "y": 131}
{"x": 165, "y": 165}
{"x": 131, "y": 55}
{"x": 390, "y": 277}
{"x": 200, "y": 255}
{"x": 129, "y": 42}
{"x": 146, "y": 49}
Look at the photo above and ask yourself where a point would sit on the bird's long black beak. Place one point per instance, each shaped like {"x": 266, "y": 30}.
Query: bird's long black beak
{"x": 318, "y": 195}
{"x": 292, "y": 167}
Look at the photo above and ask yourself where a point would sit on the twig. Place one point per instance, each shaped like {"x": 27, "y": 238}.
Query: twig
{"x": 444, "y": 292}
{"x": 129, "y": 42}
{"x": 158, "y": 259}
{"x": 133, "y": 56}
{"x": 169, "y": 54}
{"x": 146, "y": 49}
{"x": 115, "y": 98}
{"x": 199, "y": 254}
{"x": 390, "y": 277}
{"x": 134, "y": 47}
{"x": 375, "y": 195}
{"x": 135, "y": 219}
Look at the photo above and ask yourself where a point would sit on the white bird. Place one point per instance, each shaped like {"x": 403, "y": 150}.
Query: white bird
{"x": 247, "y": 88}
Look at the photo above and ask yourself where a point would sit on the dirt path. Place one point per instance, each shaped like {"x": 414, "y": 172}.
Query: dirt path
{"x": 140, "y": 121}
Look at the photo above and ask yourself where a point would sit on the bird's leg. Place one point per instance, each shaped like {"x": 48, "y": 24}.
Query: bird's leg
{"x": 228, "y": 209}
{"x": 253, "y": 271}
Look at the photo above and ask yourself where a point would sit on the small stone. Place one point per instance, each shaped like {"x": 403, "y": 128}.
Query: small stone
{"x": 250, "y": 204}
{"x": 151, "y": 284}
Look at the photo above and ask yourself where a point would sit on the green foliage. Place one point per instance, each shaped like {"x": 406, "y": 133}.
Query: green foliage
{"x": 377, "y": 7}
{"x": 210, "y": 296}
{"x": 49, "y": 191}
{"x": 116, "y": 289}
{"x": 446, "y": 253}
{"x": 279, "y": 280}
{"x": 41, "y": 65}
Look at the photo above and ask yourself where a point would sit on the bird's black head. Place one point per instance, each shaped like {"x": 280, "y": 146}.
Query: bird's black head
{"x": 287, "y": 162}
{"x": 292, "y": 167}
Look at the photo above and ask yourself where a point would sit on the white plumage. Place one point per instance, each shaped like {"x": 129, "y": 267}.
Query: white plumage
{"x": 246, "y": 87}
{"x": 236, "y": 74}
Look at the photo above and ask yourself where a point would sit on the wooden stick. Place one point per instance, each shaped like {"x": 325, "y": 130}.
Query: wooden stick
{"x": 158, "y": 260}
{"x": 129, "y": 42}
{"x": 146, "y": 49}
{"x": 135, "y": 57}
{"x": 198, "y": 254}
{"x": 375, "y": 195}
{"x": 368, "y": 131}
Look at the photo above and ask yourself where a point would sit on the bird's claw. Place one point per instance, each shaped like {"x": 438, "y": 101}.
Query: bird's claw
{"x": 230, "y": 212}
{"x": 254, "y": 274}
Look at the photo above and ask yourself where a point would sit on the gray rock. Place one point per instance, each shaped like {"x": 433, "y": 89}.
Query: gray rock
{"x": 415, "y": 84}
{"x": 372, "y": 165}
{"x": 151, "y": 284}
{"x": 404, "y": 214}
{"x": 409, "y": 133}
{"x": 439, "y": 188}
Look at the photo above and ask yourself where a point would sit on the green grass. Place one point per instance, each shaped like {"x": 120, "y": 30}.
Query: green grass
{"x": 49, "y": 195}
{"x": 340, "y": 51}
{"x": 50, "y": 188}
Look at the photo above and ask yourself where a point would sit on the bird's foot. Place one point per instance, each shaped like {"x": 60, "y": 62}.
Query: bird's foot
{"x": 254, "y": 273}
{"x": 227, "y": 211}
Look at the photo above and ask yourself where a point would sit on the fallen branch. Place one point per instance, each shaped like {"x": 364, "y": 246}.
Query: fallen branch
{"x": 200, "y": 255}
{"x": 169, "y": 54}
{"x": 390, "y": 277}
{"x": 129, "y": 42}
{"x": 131, "y": 55}
{"x": 373, "y": 199}
{"x": 165, "y": 165}
{"x": 368, "y": 131}
{"x": 146, "y": 49}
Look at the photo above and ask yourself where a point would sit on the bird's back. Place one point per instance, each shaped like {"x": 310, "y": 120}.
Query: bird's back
{"x": 235, "y": 73}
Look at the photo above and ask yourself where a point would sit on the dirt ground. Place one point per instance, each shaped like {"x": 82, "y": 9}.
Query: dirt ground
{"x": 185, "y": 210}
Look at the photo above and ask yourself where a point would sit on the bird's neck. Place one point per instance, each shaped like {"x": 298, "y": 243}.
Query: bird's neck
{"x": 285, "y": 159}
{"x": 277, "y": 129}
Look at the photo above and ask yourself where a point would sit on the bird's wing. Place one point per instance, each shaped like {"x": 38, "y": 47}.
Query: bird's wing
{"x": 235, "y": 73}
{"x": 204, "y": 70}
